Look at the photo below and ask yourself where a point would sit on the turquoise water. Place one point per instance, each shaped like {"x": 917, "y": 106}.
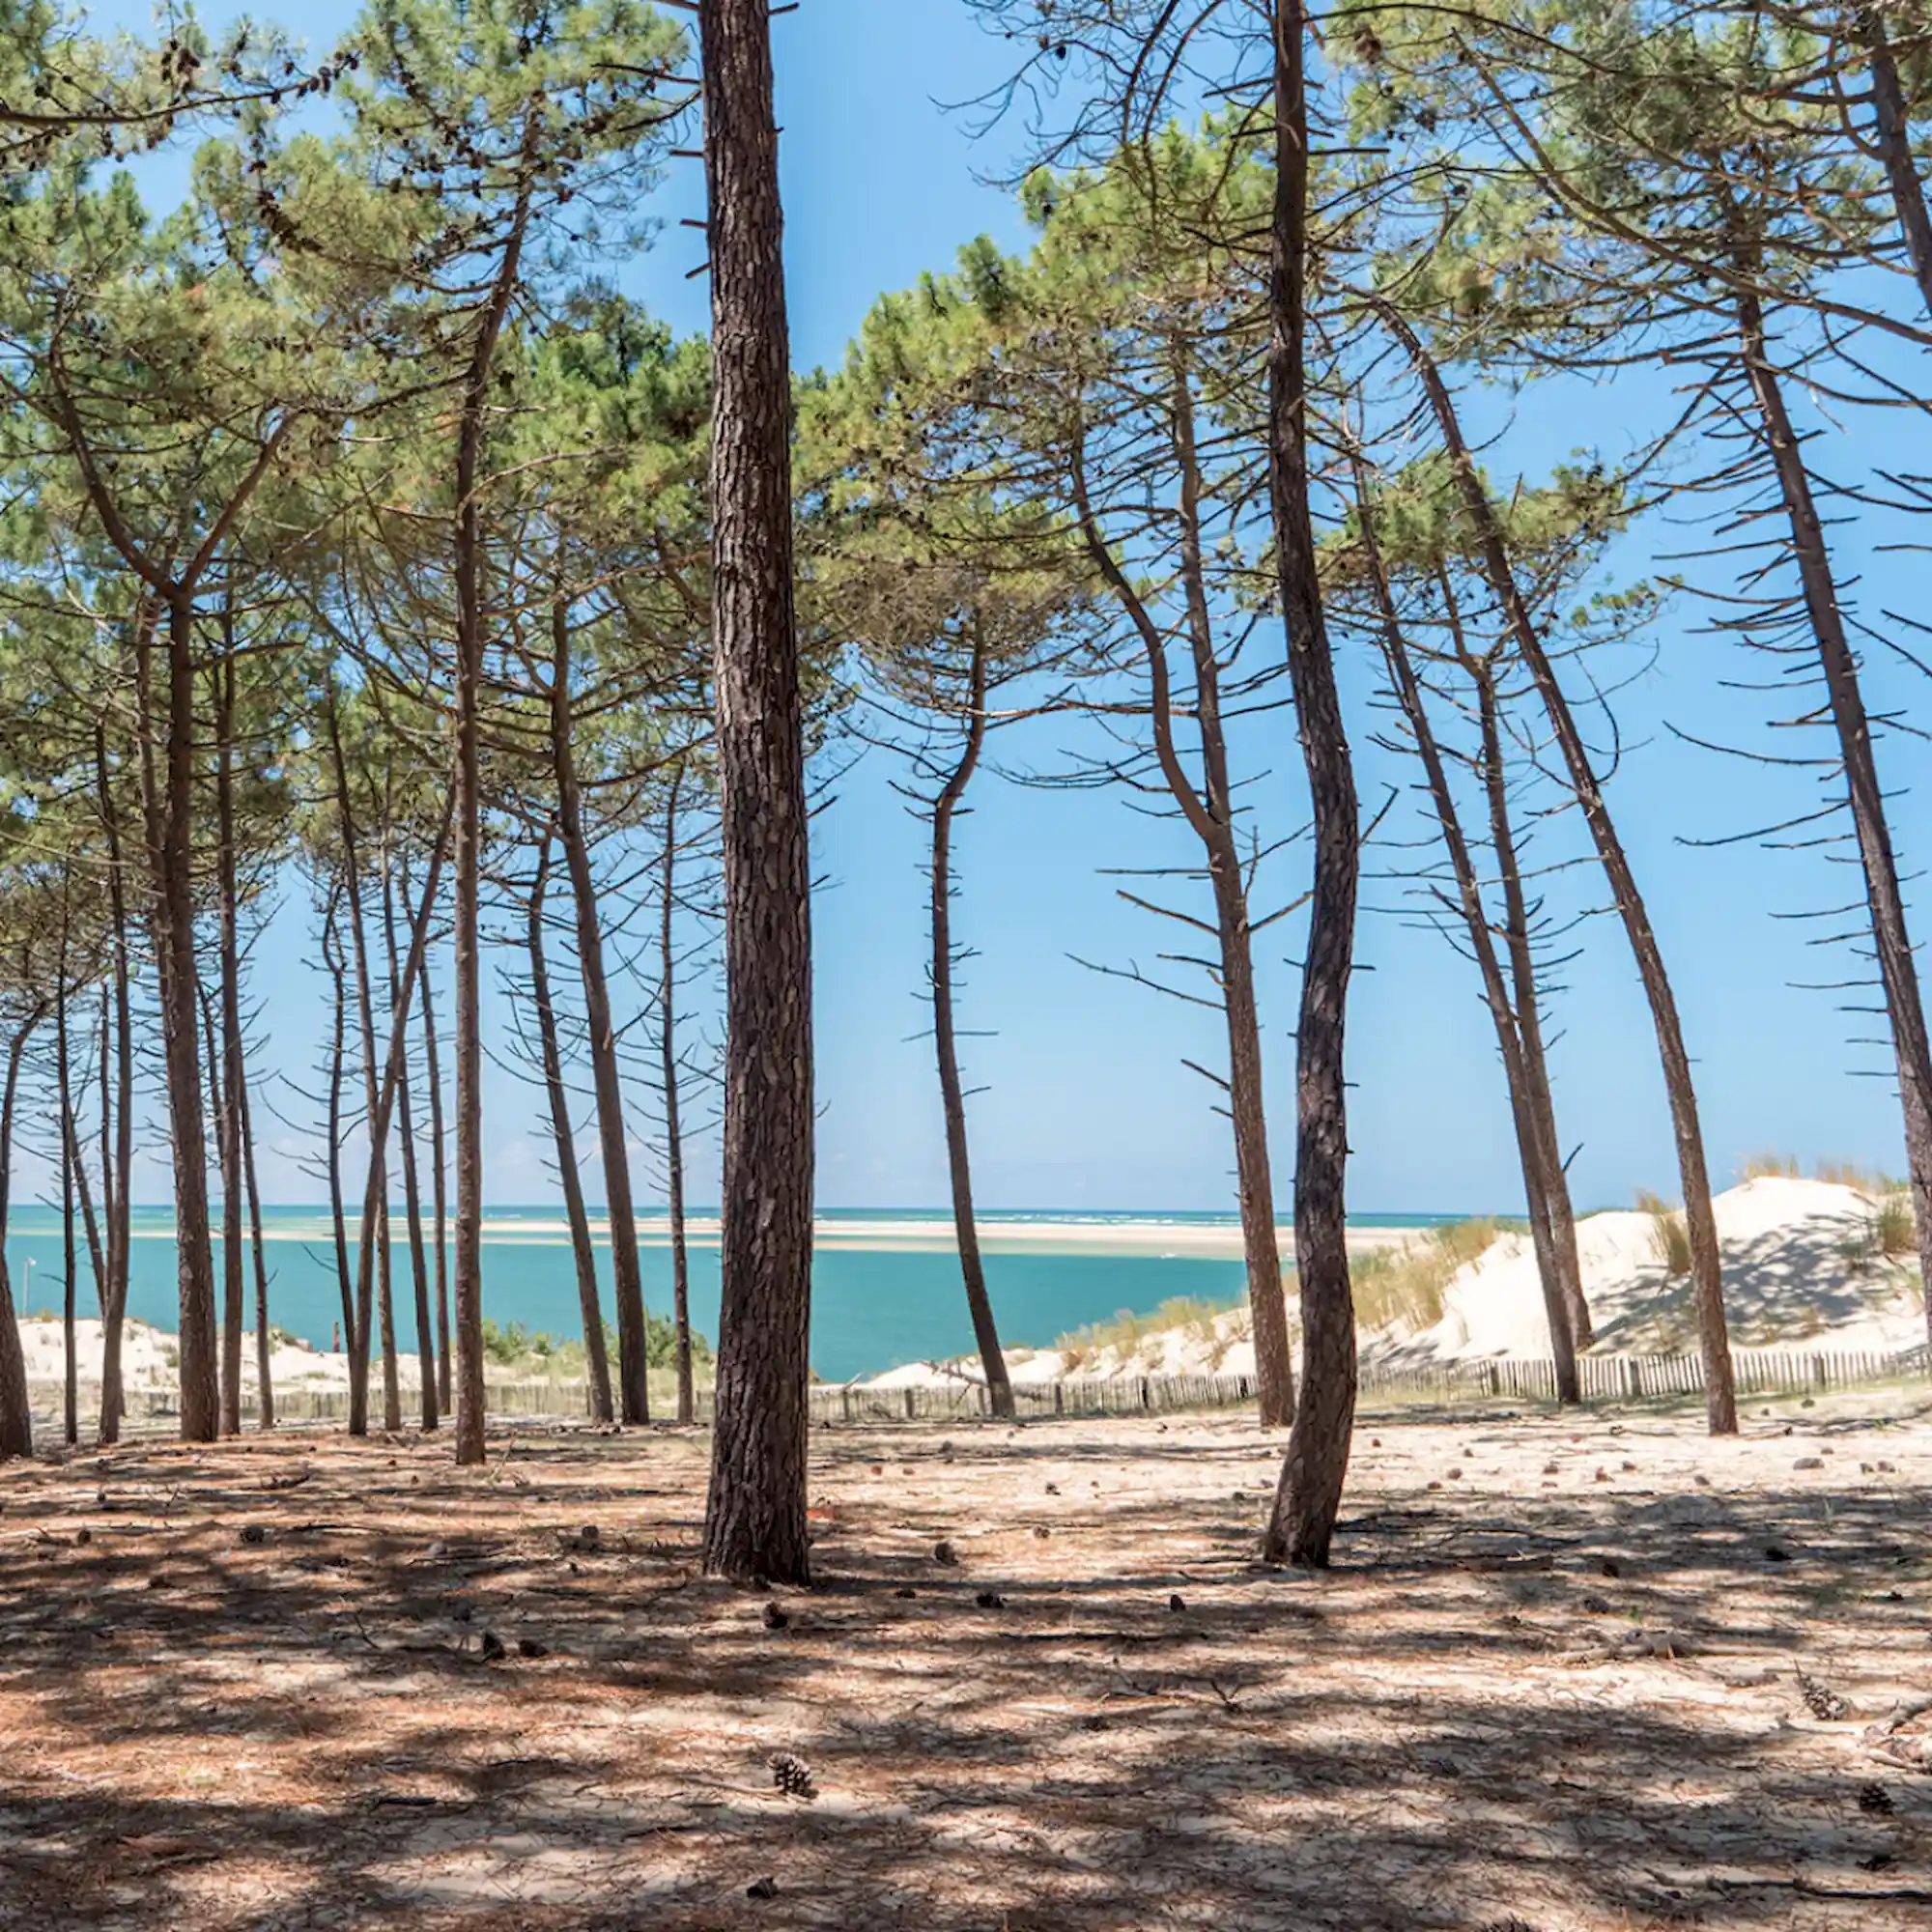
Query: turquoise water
{"x": 885, "y": 1284}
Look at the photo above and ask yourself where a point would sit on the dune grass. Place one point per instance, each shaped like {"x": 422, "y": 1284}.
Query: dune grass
{"x": 1216, "y": 1324}
{"x": 1404, "y": 1286}
{"x": 1769, "y": 1167}
{"x": 1669, "y": 1237}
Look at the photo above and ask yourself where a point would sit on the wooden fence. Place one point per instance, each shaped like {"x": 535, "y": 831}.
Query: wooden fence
{"x": 1604, "y": 1379}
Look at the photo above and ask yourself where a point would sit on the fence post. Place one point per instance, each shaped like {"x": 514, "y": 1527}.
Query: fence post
{"x": 1818, "y": 1373}
{"x": 1632, "y": 1377}
{"x": 908, "y": 1402}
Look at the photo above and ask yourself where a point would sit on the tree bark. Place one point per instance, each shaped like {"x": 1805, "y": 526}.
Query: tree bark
{"x": 180, "y": 1026}
{"x": 406, "y": 1133}
{"x": 1309, "y": 1496}
{"x": 439, "y": 1187}
{"x": 1885, "y": 901}
{"x": 264, "y": 1407}
{"x": 1713, "y": 1335}
{"x": 1274, "y": 1377}
{"x": 331, "y": 954}
{"x": 1892, "y": 123}
{"x": 69, "y": 1253}
{"x": 117, "y": 1169}
{"x": 228, "y": 1118}
{"x": 468, "y": 796}
{"x": 372, "y": 1283}
{"x": 756, "y": 1516}
{"x": 633, "y": 1334}
{"x": 680, "y": 1248}
{"x": 16, "y": 1417}
{"x": 951, "y": 1090}
{"x": 1528, "y": 1005}
{"x": 1530, "y": 1150}
{"x": 1215, "y": 813}
{"x": 558, "y": 1098}
{"x": 70, "y": 1132}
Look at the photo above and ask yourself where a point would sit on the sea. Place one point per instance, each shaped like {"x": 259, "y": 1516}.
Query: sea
{"x": 886, "y": 1286}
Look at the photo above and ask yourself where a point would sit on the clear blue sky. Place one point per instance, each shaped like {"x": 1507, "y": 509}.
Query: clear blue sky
{"x": 1086, "y": 1103}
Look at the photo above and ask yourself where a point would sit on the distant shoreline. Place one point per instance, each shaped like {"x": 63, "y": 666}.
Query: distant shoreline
{"x": 912, "y": 1230}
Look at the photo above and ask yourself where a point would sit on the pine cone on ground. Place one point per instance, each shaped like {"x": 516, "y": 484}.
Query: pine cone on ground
{"x": 792, "y": 1776}
{"x": 1822, "y": 1701}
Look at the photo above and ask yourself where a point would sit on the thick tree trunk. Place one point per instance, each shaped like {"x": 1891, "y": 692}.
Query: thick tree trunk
{"x": 1892, "y": 123}
{"x": 1309, "y": 1496}
{"x": 632, "y": 1335}
{"x": 951, "y": 1090}
{"x": 16, "y": 1419}
{"x": 406, "y": 1133}
{"x": 1540, "y": 1099}
{"x": 1714, "y": 1339}
{"x": 558, "y": 1098}
{"x": 756, "y": 1520}
{"x": 680, "y": 1247}
{"x": 181, "y": 1028}
{"x": 1530, "y": 1152}
{"x": 1885, "y": 899}
{"x": 1214, "y": 816}
{"x": 118, "y": 1162}
{"x": 438, "y": 1186}
{"x": 228, "y": 1118}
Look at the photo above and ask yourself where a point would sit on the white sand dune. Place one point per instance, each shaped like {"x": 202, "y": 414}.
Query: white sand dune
{"x": 1792, "y": 1279}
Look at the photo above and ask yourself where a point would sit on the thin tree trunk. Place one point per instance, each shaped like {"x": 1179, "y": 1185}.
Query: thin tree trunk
{"x": 228, "y": 1119}
{"x": 558, "y": 1098}
{"x": 373, "y": 1287}
{"x": 1529, "y": 1004}
{"x": 265, "y": 1412}
{"x": 1274, "y": 1376}
{"x": 1891, "y": 121}
{"x": 951, "y": 1090}
{"x": 16, "y": 1418}
{"x": 1530, "y": 1150}
{"x": 633, "y": 1334}
{"x": 756, "y": 1516}
{"x": 181, "y": 1025}
{"x": 1713, "y": 1340}
{"x": 468, "y": 796}
{"x": 1308, "y": 1498}
{"x": 338, "y": 974}
{"x": 1898, "y": 971}
{"x": 1274, "y": 1364}
{"x": 375, "y": 1206}
{"x": 117, "y": 1168}
{"x": 680, "y": 1252}
{"x": 439, "y": 1187}
{"x": 411, "y": 1186}
{"x": 70, "y": 1132}
{"x": 70, "y": 1254}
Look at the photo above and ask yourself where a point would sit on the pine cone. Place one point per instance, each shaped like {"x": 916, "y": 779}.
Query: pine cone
{"x": 792, "y": 1776}
{"x": 1823, "y": 1702}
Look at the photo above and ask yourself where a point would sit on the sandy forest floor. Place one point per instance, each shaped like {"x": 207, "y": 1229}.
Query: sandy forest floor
{"x": 1570, "y": 1676}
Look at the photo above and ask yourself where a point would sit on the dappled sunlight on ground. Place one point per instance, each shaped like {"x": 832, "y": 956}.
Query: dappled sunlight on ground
{"x": 1572, "y": 1674}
